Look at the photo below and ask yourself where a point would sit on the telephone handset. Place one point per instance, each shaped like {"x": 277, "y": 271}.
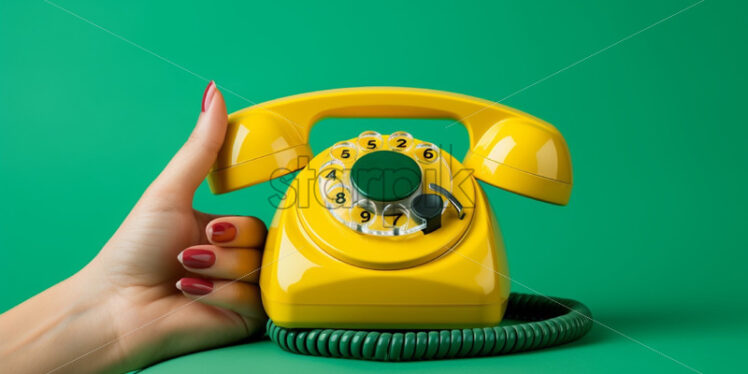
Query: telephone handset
{"x": 508, "y": 148}
{"x": 390, "y": 233}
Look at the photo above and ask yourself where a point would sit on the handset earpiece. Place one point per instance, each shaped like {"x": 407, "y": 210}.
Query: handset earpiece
{"x": 260, "y": 145}
{"x": 525, "y": 156}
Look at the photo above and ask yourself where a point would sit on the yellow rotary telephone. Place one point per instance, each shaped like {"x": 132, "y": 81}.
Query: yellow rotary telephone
{"x": 391, "y": 233}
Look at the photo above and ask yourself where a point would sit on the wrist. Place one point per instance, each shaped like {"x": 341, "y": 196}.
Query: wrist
{"x": 90, "y": 317}
{"x": 136, "y": 318}
{"x": 64, "y": 329}
{"x": 118, "y": 314}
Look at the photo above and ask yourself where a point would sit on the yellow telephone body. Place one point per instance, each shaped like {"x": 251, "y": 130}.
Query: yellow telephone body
{"x": 355, "y": 243}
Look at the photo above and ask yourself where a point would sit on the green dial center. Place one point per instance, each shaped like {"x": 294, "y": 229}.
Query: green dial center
{"x": 386, "y": 176}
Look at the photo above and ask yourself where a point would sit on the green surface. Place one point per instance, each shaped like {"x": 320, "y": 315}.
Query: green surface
{"x": 653, "y": 240}
{"x": 386, "y": 176}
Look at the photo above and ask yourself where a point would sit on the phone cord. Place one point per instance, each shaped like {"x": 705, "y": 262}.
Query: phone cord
{"x": 546, "y": 321}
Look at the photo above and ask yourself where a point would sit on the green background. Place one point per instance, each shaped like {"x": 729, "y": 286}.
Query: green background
{"x": 652, "y": 241}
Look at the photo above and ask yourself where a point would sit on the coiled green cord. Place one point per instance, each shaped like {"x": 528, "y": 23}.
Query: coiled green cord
{"x": 548, "y": 322}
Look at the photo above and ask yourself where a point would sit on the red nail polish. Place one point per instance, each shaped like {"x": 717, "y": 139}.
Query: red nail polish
{"x": 208, "y": 96}
{"x": 195, "y": 286}
{"x": 198, "y": 258}
{"x": 222, "y": 232}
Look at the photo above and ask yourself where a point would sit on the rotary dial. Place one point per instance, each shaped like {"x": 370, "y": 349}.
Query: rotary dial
{"x": 386, "y": 185}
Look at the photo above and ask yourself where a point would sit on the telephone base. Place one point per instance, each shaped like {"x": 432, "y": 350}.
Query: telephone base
{"x": 304, "y": 285}
{"x": 393, "y": 317}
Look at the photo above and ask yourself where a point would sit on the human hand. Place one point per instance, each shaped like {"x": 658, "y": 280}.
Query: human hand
{"x": 125, "y": 299}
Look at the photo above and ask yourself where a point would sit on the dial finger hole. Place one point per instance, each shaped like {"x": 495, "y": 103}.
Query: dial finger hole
{"x": 427, "y": 153}
{"x": 395, "y": 216}
{"x": 344, "y": 151}
{"x": 338, "y": 195}
{"x": 363, "y": 212}
{"x": 369, "y": 141}
{"x": 400, "y": 141}
{"x": 332, "y": 170}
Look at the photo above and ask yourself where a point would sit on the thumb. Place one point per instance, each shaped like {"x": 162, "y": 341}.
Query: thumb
{"x": 191, "y": 164}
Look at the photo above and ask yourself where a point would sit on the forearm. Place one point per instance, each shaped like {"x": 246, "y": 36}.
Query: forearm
{"x": 66, "y": 328}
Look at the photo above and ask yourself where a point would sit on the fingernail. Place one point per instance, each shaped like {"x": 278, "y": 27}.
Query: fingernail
{"x": 197, "y": 258}
{"x": 222, "y": 232}
{"x": 208, "y": 95}
{"x": 195, "y": 286}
